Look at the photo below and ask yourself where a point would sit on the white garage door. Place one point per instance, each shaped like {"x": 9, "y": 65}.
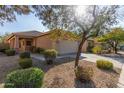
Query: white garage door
{"x": 66, "y": 46}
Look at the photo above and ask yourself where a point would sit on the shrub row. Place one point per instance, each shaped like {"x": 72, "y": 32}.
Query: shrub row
{"x": 28, "y": 77}
{"x": 25, "y": 61}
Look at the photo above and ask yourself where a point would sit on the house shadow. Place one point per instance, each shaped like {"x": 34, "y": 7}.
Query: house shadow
{"x": 86, "y": 84}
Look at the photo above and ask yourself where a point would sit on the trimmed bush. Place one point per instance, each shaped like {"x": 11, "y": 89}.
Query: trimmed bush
{"x": 25, "y": 78}
{"x": 10, "y": 52}
{"x": 40, "y": 50}
{"x": 4, "y": 47}
{"x": 25, "y": 62}
{"x": 3, "y": 50}
{"x": 33, "y": 49}
{"x": 37, "y": 50}
{"x": 50, "y": 55}
{"x": 25, "y": 55}
{"x": 84, "y": 74}
{"x": 104, "y": 64}
{"x": 97, "y": 49}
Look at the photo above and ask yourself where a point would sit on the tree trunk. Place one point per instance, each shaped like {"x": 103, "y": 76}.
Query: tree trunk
{"x": 79, "y": 52}
{"x": 115, "y": 50}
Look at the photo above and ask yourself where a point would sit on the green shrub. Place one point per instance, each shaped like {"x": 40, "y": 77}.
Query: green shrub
{"x": 39, "y": 50}
{"x": 10, "y": 52}
{"x": 42, "y": 50}
{"x": 25, "y": 55}
{"x": 25, "y": 62}
{"x": 104, "y": 64}
{"x": 84, "y": 73}
{"x": 97, "y": 49}
{"x": 4, "y": 47}
{"x": 3, "y": 50}
{"x": 33, "y": 49}
{"x": 50, "y": 55}
{"x": 25, "y": 78}
{"x": 90, "y": 46}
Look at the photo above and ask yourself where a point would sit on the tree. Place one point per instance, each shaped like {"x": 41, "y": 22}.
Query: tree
{"x": 95, "y": 21}
{"x": 8, "y": 12}
{"x": 113, "y": 38}
{"x": 60, "y": 34}
{"x": 2, "y": 37}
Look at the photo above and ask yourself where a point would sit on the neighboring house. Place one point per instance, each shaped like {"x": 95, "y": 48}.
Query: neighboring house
{"x": 23, "y": 41}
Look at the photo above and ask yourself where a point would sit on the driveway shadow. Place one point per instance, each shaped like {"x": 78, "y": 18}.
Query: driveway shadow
{"x": 60, "y": 60}
{"x": 45, "y": 67}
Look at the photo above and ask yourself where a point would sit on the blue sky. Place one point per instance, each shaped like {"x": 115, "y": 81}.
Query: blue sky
{"x": 27, "y": 23}
{"x": 23, "y": 23}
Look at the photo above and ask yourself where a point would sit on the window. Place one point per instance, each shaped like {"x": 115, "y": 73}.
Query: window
{"x": 28, "y": 43}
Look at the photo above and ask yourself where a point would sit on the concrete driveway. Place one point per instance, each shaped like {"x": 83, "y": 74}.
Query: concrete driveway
{"x": 117, "y": 60}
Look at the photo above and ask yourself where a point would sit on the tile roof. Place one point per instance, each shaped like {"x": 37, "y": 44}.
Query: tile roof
{"x": 27, "y": 34}
{"x": 32, "y": 33}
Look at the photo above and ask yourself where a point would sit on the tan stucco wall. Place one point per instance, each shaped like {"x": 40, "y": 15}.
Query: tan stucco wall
{"x": 44, "y": 42}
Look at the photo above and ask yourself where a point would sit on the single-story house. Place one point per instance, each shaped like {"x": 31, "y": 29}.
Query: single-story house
{"x": 22, "y": 41}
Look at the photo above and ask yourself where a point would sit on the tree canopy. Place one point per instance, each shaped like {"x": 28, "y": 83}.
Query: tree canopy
{"x": 113, "y": 38}
{"x": 8, "y": 12}
{"x": 60, "y": 34}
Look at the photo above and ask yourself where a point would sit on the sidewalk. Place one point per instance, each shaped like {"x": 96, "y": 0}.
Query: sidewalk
{"x": 121, "y": 79}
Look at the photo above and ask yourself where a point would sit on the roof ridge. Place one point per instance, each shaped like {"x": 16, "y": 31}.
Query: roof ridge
{"x": 27, "y": 31}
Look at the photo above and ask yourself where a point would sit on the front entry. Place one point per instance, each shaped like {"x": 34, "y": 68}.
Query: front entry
{"x": 25, "y": 44}
{"x": 28, "y": 45}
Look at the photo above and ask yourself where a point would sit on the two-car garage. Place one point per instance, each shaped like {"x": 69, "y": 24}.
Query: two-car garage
{"x": 66, "y": 47}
